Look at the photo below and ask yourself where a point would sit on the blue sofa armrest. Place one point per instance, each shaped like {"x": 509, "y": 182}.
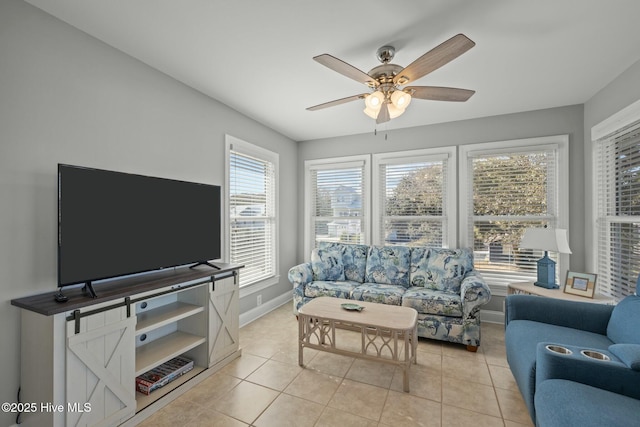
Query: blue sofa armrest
{"x": 611, "y": 375}
{"x": 300, "y": 275}
{"x": 584, "y": 316}
{"x": 474, "y": 293}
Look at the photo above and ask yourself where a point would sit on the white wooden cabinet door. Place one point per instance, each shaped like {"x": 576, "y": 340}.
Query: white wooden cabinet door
{"x": 101, "y": 369}
{"x": 224, "y": 318}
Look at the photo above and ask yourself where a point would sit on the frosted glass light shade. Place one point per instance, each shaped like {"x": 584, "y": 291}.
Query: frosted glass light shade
{"x": 400, "y": 99}
{"x": 371, "y": 112}
{"x": 374, "y": 101}
{"x": 394, "y": 111}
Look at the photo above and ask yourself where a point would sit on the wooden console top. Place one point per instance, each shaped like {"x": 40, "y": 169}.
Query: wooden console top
{"x": 119, "y": 288}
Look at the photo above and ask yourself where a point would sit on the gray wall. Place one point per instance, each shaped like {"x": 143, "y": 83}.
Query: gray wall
{"x": 66, "y": 97}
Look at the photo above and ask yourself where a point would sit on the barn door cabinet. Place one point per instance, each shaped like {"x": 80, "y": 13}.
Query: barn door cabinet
{"x": 83, "y": 356}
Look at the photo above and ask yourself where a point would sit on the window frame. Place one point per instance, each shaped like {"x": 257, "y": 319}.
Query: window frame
{"x": 561, "y": 144}
{"x": 416, "y": 156}
{"x": 611, "y": 127}
{"x": 336, "y": 163}
{"x": 237, "y": 145}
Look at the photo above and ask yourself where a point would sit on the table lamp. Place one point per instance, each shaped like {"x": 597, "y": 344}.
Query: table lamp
{"x": 546, "y": 239}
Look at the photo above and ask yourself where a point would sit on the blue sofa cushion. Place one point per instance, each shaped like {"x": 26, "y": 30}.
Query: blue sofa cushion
{"x": 624, "y": 321}
{"x": 327, "y": 264}
{"x": 380, "y": 293}
{"x": 429, "y": 301}
{"x": 336, "y": 289}
{"x": 388, "y": 265}
{"x": 523, "y": 337}
{"x": 629, "y": 354}
{"x": 354, "y": 259}
{"x": 566, "y": 403}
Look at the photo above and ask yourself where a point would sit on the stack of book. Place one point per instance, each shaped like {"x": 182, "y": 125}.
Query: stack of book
{"x": 163, "y": 374}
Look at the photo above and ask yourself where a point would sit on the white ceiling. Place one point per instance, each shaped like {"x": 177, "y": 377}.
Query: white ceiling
{"x": 256, "y": 55}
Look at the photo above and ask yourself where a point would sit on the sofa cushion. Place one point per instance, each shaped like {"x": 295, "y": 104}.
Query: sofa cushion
{"x": 327, "y": 264}
{"x": 388, "y": 265}
{"x": 441, "y": 269}
{"x": 523, "y": 337}
{"x": 380, "y": 293}
{"x": 336, "y": 289}
{"x": 566, "y": 403}
{"x": 354, "y": 259}
{"x": 629, "y": 354}
{"x": 624, "y": 321}
{"x": 431, "y": 301}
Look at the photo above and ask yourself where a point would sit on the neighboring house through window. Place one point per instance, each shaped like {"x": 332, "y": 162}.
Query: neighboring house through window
{"x": 252, "y": 210}
{"x": 336, "y": 200}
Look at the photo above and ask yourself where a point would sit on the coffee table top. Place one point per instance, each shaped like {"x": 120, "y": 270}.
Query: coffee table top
{"x": 374, "y": 314}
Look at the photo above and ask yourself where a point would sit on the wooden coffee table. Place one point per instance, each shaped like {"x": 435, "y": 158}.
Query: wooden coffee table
{"x": 382, "y": 328}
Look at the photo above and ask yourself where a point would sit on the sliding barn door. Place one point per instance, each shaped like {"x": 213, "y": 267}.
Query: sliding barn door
{"x": 224, "y": 318}
{"x": 101, "y": 369}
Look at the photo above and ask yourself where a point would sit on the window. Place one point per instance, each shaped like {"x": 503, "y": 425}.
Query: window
{"x": 414, "y": 198}
{"x": 617, "y": 168}
{"x": 252, "y": 201}
{"x": 507, "y": 187}
{"x": 336, "y": 200}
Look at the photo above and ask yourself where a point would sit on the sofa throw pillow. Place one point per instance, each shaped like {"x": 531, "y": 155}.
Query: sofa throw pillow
{"x": 388, "y": 265}
{"x": 327, "y": 264}
{"x": 628, "y": 353}
{"x": 447, "y": 267}
{"x": 622, "y": 327}
{"x": 354, "y": 258}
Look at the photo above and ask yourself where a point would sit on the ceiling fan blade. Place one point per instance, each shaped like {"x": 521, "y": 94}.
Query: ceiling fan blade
{"x": 435, "y": 93}
{"x": 345, "y": 69}
{"x": 383, "y": 115}
{"x": 337, "y": 102}
{"x": 434, "y": 59}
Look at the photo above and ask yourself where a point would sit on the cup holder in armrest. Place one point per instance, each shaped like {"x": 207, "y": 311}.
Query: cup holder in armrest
{"x": 595, "y": 355}
{"x": 558, "y": 349}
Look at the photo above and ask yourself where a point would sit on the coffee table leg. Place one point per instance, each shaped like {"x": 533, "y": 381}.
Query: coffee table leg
{"x": 301, "y": 320}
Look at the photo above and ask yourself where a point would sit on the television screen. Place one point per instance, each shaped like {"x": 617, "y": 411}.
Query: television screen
{"x": 113, "y": 224}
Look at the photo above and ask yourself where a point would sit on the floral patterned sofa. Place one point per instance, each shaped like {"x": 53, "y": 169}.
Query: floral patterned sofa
{"x": 440, "y": 284}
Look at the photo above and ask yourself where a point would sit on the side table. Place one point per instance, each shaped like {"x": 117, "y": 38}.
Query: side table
{"x": 528, "y": 288}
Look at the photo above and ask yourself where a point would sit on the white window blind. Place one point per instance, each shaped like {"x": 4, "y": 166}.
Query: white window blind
{"x": 337, "y": 201}
{"x": 252, "y": 215}
{"x": 413, "y": 195}
{"x": 618, "y": 211}
{"x": 509, "y": 190}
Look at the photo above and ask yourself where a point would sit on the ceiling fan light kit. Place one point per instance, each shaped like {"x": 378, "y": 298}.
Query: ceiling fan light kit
{"x": 388, "y": 100}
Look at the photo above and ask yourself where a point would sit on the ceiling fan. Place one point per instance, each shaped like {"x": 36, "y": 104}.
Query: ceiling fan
{"x": 388, "y": 99}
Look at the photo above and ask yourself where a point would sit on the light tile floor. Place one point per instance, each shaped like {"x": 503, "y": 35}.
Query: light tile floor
{"x": 266, "y": 387}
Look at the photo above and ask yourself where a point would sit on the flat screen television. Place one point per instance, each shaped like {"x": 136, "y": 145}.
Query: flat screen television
{"x": 114, "y": 224}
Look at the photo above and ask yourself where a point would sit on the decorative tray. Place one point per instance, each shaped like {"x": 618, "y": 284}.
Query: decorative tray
{"x": 352, "y": 307}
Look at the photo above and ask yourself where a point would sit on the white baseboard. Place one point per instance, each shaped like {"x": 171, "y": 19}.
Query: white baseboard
{"x": 255, "y": 313}
{"x": 492, "y": 316}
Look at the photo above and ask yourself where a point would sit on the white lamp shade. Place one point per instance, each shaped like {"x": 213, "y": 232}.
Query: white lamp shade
{"x": 394, "y": 111}
{"x": 400, "y": 99}
{"x": 374, "y": 101}
{"x": 546, "y": 239}
{"x": 371, "y": 112}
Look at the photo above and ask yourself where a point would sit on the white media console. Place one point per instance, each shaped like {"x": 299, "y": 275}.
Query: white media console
{"x": 80, "y": 358}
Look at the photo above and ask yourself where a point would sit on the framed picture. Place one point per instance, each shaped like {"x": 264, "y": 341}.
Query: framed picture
{"x": 582, "y": 284}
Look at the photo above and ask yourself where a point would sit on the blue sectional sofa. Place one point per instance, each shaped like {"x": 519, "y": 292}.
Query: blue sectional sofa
{"x": 537, "y": 328}
{"x": 440, "y": 284}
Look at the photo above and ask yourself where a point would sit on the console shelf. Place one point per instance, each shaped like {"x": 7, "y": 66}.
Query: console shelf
{"x": 159, "y": 351}
{"x": 165, "y": 315}
{"x": 144, "y": 400}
